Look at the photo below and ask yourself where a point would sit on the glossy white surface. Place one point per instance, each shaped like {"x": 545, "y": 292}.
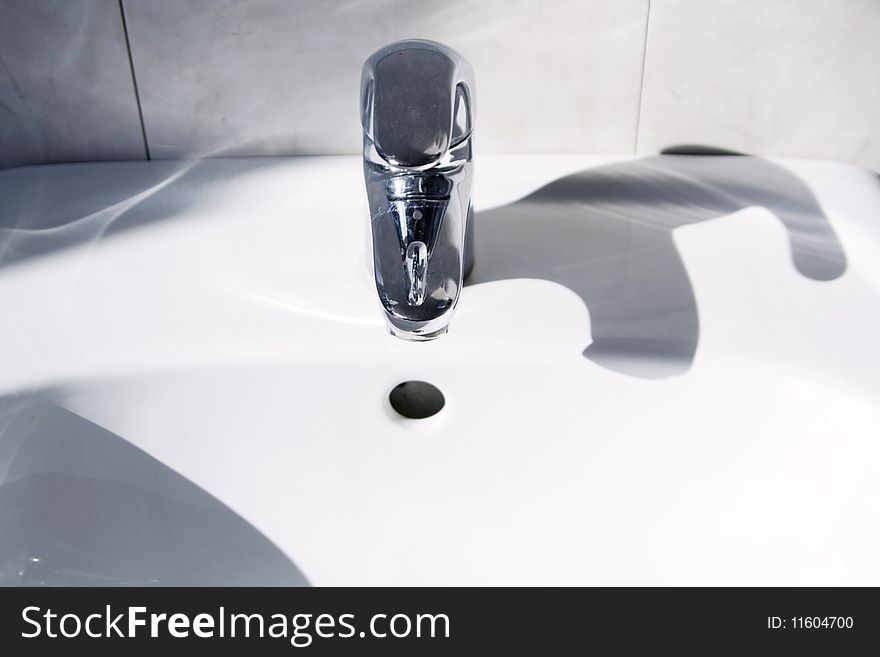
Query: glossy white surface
{"x": 238, "y": 341}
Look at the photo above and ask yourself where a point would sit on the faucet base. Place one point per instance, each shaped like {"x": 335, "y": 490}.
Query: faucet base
{"x": 416, "y": 337}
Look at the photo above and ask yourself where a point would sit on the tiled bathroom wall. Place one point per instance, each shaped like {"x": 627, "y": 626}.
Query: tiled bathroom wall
{"x": 111, "y": 79}
{"x": 775, "y": 77}
{"x": 275, "y": 76}
{"x": 66, "y": 91}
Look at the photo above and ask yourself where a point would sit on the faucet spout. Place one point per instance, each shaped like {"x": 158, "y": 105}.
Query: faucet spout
{"x": 416, "y": 271}
{"x": 417, "y": 114}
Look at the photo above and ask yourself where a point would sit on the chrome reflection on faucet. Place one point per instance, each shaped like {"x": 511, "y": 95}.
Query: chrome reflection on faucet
{"x": 417, "y": 112}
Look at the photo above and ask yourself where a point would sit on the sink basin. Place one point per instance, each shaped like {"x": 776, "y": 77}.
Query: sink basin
{"x": 663, "y": 371}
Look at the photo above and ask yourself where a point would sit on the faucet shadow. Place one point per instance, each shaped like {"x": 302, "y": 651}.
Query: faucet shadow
{"x": 606, "y": 233}
{"x": 81, "y": 506}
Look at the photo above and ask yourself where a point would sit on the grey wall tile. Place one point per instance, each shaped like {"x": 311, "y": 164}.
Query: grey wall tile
{"x": 779, "y": 77}
{"x": 279, "y": 77}
{"x": 66, "y": 92}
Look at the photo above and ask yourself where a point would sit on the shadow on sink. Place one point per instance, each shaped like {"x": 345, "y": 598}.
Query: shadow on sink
{"x": 68, "y": 205}
{"x": 606, "y": 233}
{"x": 80, "y": 506}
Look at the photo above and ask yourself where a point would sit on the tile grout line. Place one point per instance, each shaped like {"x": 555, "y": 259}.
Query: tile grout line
{"x": 137, "y": 96}
{"x": 641, "y": 81}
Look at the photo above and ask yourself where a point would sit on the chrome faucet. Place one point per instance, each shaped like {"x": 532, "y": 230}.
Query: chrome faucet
{"x": 417, "y": 112}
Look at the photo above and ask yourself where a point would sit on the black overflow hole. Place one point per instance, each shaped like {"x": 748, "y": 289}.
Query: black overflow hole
{"x": 416, "y": 399}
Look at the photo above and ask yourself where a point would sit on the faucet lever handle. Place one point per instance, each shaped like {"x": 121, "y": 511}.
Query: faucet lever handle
{"x": 416, "y": 102}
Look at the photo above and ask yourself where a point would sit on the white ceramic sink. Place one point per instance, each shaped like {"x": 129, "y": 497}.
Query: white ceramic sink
{"x": 220, "y": 316}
